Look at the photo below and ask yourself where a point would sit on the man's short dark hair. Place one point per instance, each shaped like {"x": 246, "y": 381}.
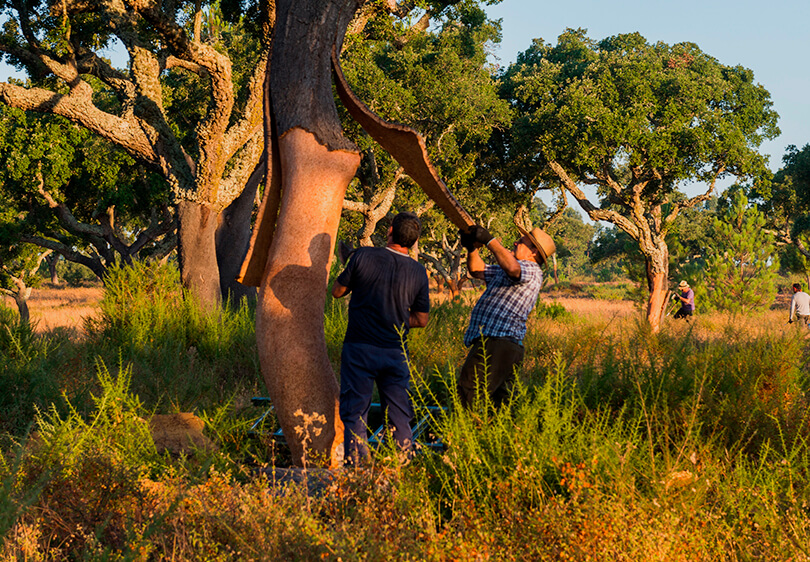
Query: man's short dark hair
{"x": 797, "y": 286}
{"x": 406, "y": 229}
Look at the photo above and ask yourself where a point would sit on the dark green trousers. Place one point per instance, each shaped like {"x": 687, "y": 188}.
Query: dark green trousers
{"x": 490, "y": 365}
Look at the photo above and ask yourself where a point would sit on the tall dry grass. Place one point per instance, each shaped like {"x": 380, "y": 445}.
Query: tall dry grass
{"x": 59, "y": 306}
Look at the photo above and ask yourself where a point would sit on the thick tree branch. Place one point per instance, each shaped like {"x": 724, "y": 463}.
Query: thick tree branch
{"x": 689, "y": 203}
{"x": 242, "y": 168}
{"x": 594, "y": 212}
{"x": 94, "y": 264}
{"x": 124, "y": 132}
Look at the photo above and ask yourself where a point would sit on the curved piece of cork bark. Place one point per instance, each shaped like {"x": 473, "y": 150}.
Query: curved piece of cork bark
{"x": 405, "y": 145}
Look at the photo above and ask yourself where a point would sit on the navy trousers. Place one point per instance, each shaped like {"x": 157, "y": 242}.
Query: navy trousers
{"x": 361, "y": 365}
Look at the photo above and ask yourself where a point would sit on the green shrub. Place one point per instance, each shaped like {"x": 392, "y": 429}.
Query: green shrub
{"x": 612, "y": 292}
{"x": 552, "y": 311}
{"x": 88, "y": 470}
{"x": 179, "y": 351}
{"x": 29, "y": 377}
{"x": 18, "y": 342}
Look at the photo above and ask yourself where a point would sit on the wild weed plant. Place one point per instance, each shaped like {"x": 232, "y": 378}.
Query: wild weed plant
{"x": 27, "y": 364}
{"x": 181, "y": 354}
{"x": 690, "y": 444}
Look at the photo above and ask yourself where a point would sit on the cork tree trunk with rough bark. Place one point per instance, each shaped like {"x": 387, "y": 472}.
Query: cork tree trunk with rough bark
{"x": 310, "y": 166}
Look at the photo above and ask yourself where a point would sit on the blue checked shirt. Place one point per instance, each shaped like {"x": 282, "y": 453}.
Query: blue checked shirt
{"x": 504, "y": 307}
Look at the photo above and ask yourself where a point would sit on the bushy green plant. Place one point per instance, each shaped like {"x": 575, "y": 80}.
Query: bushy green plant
{"x": 442, "y": 339}
{"x": 335, "y": 322}
{"x": 90, "y": 468}
{"x": 612, "y": 291}
{"x": 552, "y": 311}
{"x": 116, "y": 428}
{"x": 188, "y": 352}
{"x": 742, "y": 270}
{"x": 18, "y": 341}
{"x": 28, "y": 378}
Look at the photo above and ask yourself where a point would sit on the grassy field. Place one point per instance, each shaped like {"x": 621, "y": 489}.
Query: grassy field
{"x": 618, "y": 444}
{"x": 53, "y": 306}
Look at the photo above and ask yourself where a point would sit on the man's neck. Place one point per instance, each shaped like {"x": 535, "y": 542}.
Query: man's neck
{"x": 397, "y": 248}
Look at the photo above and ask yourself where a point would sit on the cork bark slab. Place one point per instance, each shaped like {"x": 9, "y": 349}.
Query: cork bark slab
{"x": 405, "y": 145}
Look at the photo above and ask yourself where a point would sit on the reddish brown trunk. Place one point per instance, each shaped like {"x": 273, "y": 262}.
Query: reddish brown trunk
{"x": 439, "y": 284}
{"x": 196, "y": 251}
{"x": 657, "y": 283}
{"x": 455, "y": 290}
{"x": 289, "y": 319}
{"x": 316, "y": 164}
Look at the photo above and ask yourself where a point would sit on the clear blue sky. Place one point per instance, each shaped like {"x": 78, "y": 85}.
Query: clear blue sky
{"x": 771, "y": 38}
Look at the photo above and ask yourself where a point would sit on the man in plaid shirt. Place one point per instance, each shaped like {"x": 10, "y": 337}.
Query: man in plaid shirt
{"x": 498, "y": 321}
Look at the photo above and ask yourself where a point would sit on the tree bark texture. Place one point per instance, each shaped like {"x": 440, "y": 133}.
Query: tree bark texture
{"x": 657, "y": 283}
{"x": 22, "y": 307}
{"x": 52, "y": 261}
{"x": 316, "y": 164}
{"x": 233, "y": 237}
{"x": 21, "y": 294}
{"x": 289, "y": 318}
{"x": 196, "y": 252}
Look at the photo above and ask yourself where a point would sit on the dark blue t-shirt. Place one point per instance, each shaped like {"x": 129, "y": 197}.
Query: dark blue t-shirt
{"x": 386, "y": 286}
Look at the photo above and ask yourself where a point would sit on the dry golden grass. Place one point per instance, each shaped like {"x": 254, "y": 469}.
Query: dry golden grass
{"x": 59, "y": 306}
{"x": 594, "y": 309}
{"x": 55, "y": 306}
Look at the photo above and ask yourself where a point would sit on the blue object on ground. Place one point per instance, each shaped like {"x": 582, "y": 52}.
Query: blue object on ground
{"x": 420, "y": 428}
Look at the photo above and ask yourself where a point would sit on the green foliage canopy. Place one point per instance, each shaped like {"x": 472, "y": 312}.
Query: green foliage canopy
{"x": 785, "y": 201}
{"x": 636, "y": 121}
{"x": 71, "y": 191}
{"x": 648, "y": 115}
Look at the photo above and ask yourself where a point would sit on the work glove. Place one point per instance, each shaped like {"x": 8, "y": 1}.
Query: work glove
{"x": 467, "y": 239}
{"x": 675, "y": 297}
{"x": 482, "y": 235}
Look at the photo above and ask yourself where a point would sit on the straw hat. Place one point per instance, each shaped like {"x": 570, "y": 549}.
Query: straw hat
{"x": 683, "y": 285}
{"x": 541, "y": 241}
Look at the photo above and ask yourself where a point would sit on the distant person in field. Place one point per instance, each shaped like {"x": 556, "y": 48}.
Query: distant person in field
{"x": 389, "y": 296}
{"x": 799, "y": 306}
{"x": 498, "y": 320}
{"x": 687, "y": 298}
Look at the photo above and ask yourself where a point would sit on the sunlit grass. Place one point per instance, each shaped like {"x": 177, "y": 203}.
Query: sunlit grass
{"x": 690, "y": 444}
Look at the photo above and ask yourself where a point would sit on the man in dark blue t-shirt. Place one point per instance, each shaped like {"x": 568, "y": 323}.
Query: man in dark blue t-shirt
{"x": 389, "y": 296}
